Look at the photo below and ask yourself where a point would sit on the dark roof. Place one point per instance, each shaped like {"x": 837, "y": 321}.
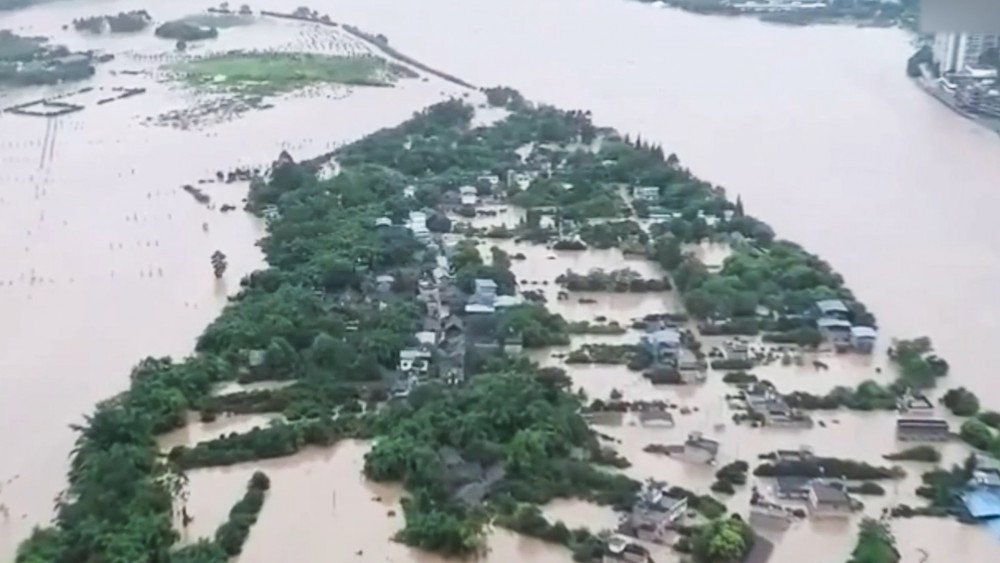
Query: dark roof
{"x": 793, "y": 483}
{"x": 827, "y": 494}
{"x": 922, "y": 423}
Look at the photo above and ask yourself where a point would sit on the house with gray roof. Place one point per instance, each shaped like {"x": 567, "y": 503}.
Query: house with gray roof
{"x": 698, "y": 449}
{"x": 834, "y": 309}
{"x": 826, "y": 500}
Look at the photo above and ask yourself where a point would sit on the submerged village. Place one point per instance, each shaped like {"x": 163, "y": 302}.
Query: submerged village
{"x": 521, "y": 322}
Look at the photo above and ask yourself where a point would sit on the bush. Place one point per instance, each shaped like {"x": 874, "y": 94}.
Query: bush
{"x": 961, "y": 402}
{"x": 739, "y": 377}
{"x": 829, "y": 467}
{"x": 723, "y": 487}
{"x": 990, "y": 418}
{"x": 929, "y": 454}
{"x": 976, "y": 434}
{"x": 868, "y": 488}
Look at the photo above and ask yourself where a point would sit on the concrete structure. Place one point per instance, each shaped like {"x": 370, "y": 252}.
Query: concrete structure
{"x": 620, "y": 549}
{"x": 793, "y": 488}
{"x": 922, "y": 430}
{"x": 418, "y": 226}
{"x": 663, "y": 344}
{"x": 415, "y": 361}
{"x": 915, "y": 405}
{"x": 485, "y": 293}
{"x": 863, "y": 339}
{"x": 836, "y": 331}
{"x": 654, "y": 513}
{"x": 828, "y": 501}
{"x": 833, "y": 308}
{"x": 698, "y": 449}
{"x": 774, "y": 411}
{"x": 383, "y": 283}
{"x": 646, "y": 193}
{"x": 954, "y": 52}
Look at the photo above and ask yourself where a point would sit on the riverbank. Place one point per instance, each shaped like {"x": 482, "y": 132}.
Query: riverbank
{"x": 873, "y": 14}
{"x": 930, "y": 86}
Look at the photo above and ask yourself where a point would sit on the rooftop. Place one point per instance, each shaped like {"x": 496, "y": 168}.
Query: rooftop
{"x": 702, "y": 443}
{"x": 828, "y": 306}
{"x": 863, "y": 332}
{"x": 829, "y": 322}
{"x": 926, "y": 423}
{"x": 792, "y": 483}
{"x": 828, "y": 494}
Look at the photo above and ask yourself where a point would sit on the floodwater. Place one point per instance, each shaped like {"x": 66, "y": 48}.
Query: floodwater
{"x": 817, "y": 128}
{"x": 106, "y": 258}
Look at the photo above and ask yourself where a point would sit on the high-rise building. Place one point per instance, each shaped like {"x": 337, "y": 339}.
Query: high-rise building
{"x": 955, "y": 51}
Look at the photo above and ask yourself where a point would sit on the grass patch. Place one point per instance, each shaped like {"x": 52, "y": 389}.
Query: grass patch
{"x": 219, "y": 21}
{"x": 274, "y": 73}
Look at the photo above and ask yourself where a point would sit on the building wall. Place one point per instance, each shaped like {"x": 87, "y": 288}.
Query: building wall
{"x": 953, "y": 51}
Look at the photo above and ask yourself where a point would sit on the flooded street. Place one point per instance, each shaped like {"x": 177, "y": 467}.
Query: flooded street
{"x": 817, "y": 128}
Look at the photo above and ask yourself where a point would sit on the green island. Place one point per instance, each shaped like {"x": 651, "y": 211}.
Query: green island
{"x": 275, "y": 73}
{"x": 31, "y": 61}
{"x": 123, "y": 22}
{"x": 522, "y": 440}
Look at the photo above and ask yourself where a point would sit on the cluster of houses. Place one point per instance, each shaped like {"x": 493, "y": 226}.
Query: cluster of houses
{"x": 661, "y": 341}
{"x": 458, "y": 329}
{"x": 657, "y": 517}
{"x": 769, "y": 408}
{"x": 823, "y": 497}
{"x": 834, "y": 322}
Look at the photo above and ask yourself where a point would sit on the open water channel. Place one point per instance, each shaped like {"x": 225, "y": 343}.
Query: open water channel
{"x": 105, "y": 259}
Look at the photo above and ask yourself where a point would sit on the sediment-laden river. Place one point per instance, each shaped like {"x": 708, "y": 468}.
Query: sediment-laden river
{"x": 105, "y": 259}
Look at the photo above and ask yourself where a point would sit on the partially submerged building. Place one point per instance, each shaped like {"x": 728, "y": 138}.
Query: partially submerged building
{"x": 619, "y": 549}
{"x": 826, "y": 500}
{"x": 698, "y": 449}
{"x": 771, "y": 410}
{"x": 863, "y": 339}
{"x": 663, "y": 344}
{"x": 915, "y": 405}
{"x": 654, "y": 513}
{"x": 922, "y": 430}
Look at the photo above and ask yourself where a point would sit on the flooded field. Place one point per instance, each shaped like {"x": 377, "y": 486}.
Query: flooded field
{"x": 106, "y": 258}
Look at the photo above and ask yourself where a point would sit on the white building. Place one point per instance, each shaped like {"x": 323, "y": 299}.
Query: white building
{"x": 953, "y": 52}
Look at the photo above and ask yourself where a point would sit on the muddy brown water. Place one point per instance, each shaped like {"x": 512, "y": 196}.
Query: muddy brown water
{"x": 824, "y": 138}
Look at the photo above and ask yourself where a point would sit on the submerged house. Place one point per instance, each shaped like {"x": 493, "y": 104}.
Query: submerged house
{"x": 863, "y": 339}
{"x": 836, "y": 331}
{"x": 793, "y": 487}
{"x": 663, "y": 345}
{"x": 833, "y": 309}
{"x": 654, "y": 513}
{"x": 620, "y": 549}
{"x": 915, "y": 405}
{"x": 828, "y": 501}
{"x": 772, "y": 410}
{"x": 922, "y": 430}
{"x": 698, "y": 449}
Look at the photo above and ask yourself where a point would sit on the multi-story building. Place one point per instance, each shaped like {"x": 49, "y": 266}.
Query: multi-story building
{"x": 953, "y": 52}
